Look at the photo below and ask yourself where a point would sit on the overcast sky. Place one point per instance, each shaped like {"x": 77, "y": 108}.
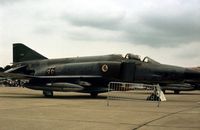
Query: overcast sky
{"x": 167, "y": 31}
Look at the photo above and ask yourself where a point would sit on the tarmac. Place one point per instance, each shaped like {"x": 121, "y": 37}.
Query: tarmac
{"x": 24, "y": 109}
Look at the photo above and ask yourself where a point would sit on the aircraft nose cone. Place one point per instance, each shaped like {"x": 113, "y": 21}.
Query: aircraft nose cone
{"x": 192, "y": 75}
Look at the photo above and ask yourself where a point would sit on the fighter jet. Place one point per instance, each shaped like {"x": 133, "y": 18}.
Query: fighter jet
{"x": 91, "y": 74}
{"x": 187, "y": 86}
{"x": 177, "y": 88}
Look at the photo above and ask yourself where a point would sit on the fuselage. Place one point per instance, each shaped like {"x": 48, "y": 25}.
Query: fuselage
{"x": 108, "y": 68}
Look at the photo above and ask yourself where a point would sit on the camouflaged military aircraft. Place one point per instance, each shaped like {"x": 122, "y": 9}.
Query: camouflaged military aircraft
{"x": 91, "y": 74}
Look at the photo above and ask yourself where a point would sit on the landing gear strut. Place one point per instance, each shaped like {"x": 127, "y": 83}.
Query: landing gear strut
{"x": 47, "y": 93}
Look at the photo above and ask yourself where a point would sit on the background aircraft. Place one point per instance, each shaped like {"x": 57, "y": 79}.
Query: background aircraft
{"x": 91, "y": 74}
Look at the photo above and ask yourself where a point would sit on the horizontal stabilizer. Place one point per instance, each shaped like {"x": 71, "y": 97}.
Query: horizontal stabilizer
{"x": 17, "y": 69}
{"x": 15, "y": 76}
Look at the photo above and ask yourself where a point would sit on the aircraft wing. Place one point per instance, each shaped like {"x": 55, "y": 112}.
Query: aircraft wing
{"x": 67, "y": 76}
{"x": 23, "y": 76}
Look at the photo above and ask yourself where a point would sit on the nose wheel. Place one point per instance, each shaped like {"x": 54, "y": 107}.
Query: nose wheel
{"x": 48, "y": 94}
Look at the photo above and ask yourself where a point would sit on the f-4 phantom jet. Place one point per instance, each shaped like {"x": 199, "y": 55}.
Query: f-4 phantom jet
{"x": 91, "y": 74}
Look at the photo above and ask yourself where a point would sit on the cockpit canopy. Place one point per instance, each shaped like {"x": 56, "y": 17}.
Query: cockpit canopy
{"x": 149, "y": 60}
{"x": 132, "y": 56}
{"x": 137, "y": 57}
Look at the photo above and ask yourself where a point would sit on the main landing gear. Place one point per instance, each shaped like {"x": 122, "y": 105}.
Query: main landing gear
{"x": 93, "y": 95}
{"x": 47, "y": 93}
{"x": 176, "y": 92}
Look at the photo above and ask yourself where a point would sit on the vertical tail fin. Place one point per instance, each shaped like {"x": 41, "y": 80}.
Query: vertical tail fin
{"x": 23, "y": 53}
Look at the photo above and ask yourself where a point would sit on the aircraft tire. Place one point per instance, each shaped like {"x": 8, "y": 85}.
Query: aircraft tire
{"x": 176, "y": 91}
{"x": 48, "y": 94}
{"x": 93, "y": 95}
{"x": 164, "y": 91}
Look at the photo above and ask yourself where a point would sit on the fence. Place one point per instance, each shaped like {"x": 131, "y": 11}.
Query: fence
{"x": 121, "y": 90}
